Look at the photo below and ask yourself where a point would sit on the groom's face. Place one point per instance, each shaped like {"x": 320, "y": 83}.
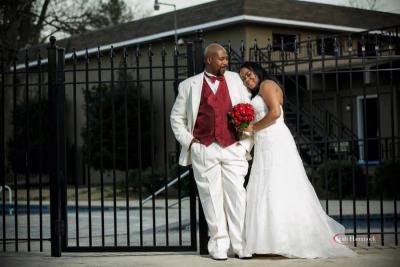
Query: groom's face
{"x": 218, "y": 62}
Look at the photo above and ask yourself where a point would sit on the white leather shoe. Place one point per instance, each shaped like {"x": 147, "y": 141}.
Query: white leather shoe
{"x": 241, "y": 254}
{"x": 219, "y": 255}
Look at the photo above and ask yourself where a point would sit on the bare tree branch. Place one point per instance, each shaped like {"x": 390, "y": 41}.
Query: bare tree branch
{"x": 366, "y": 4}
{"x": 28, "y": 22}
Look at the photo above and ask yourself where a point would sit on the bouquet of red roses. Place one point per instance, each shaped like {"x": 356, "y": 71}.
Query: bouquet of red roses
{"x": 242, "y": 114}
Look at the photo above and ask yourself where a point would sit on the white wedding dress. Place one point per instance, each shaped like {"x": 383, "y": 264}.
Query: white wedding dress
{"x": 284, "y": 215}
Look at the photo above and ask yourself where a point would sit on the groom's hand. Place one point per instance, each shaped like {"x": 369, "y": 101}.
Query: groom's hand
{"x": 194, "y": 140}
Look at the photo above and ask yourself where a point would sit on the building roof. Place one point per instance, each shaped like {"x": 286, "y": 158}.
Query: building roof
{"x": 223, "y": 13}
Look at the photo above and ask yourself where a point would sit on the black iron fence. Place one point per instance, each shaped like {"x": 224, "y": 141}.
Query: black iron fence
{"x": 89, "y": 162}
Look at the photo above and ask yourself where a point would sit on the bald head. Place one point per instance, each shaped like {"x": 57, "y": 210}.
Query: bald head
{"x": 212, "y": 50}
{"x": 215, "y": 59}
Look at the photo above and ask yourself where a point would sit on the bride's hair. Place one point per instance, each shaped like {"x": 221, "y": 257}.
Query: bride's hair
{"x": 262, "y": 75}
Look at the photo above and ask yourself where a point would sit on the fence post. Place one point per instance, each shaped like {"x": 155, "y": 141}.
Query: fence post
{"x": 56, "y": 144}
{"x": 62, "y": 151}
{"x": 199, "y": 67}
{"x": 192, "y": 184}
{"x": 198, "y": 54}
{"x": 3, "y": 151}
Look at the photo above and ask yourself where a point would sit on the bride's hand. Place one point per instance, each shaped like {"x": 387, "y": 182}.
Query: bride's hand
{"x": 249, "y": 128}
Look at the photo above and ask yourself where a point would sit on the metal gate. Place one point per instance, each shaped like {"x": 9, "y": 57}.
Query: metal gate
{"x": 98, "y": 151}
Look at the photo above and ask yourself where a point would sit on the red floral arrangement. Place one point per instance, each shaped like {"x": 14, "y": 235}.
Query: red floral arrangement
{"x": 242, "y": 114}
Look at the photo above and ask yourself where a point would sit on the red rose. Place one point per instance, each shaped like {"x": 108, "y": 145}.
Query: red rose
{"x": 242, "y": 114}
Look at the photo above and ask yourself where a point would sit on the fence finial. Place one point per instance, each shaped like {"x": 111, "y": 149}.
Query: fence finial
{"x": 137, "y": 51}
{"x": 53, "y": 41}
{"x": 390, "y": 41}
{"x": 199, "y": 34}
{"x": 125, "y": 54}
{"x": 112, "y": 52}
{"x": 336, "y": 46}
{"x": 363, "y": 44}
{"x": 86, "y": 55}
{"x": 376, "y": 44}
{"x": 349, "y": 44}
{"x": 176, "y": 51}
{"x": 98, "y": 53}
{"x": 26, "y": 57}
{"x": 74, "y": 57}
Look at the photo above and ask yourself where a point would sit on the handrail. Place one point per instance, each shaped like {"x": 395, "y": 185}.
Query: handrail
{"x": 307, "y": 115}
{"x": 183, "y": 175}
{"x": 319, "y": 108}
{"x": 236, "y": 56}
{"x": 9, "y": 192}
{"x": 365, "y": 36}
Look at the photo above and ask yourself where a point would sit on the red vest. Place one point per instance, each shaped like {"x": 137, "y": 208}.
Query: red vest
{"x": 212, "y": 118}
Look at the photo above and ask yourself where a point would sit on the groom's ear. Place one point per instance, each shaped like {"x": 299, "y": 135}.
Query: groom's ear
{"x": 208, "y": 60}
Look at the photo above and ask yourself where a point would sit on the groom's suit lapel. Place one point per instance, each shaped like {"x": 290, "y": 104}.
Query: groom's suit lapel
{"x": 233, "y": 89}
{"x": 196, "y": 88}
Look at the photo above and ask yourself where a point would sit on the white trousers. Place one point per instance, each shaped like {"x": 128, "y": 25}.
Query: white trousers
{"x": 219, "y": 174}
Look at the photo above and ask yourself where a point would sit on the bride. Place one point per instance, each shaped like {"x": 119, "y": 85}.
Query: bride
{"x": 283, "y": 214}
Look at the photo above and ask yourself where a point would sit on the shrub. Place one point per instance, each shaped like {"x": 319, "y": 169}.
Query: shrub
{"x": 26, "y": 147}
{"x": 387, "y": 175}
{"x": 332, "y": 169}
{"x": 98, "y": 134}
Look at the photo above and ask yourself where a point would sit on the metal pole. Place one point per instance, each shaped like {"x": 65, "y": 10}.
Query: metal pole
{"x": 56, "y": 148}
{"x": 157, "y": 7}
{"x": 61, "y": 149}
{"x": 55, "y": 203}
{"x": 199, "y": 67}
{"x": 175, "y": 26}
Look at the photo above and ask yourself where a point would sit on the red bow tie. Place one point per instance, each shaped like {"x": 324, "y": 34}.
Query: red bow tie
{"x": 214, "y": 78}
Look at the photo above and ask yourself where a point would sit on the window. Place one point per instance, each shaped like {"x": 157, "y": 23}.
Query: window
{"x": 367, "y": 111}
{"x": 369, "y": 48}
{"x": 288, "y": 41}
{"x": 329, "y": 46}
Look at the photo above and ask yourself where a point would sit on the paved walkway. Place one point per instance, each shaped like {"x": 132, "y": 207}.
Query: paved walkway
{"x": 374, "y": 257}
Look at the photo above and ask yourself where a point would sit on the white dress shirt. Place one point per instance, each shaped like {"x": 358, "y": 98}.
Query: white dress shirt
{"x": 213, "y": 85}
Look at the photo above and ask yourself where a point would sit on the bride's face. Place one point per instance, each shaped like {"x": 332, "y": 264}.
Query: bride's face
{"x": 250, "y": 80}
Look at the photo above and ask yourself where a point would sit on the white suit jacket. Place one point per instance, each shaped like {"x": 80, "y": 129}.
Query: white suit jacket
{"x": 184, "y": 112}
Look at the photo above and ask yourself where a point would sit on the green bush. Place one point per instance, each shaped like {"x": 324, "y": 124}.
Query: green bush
{"x": 98, "y": 133}
{"x": 387, "y": 175}
{"x": 331, "y": 171}
{"x": 150, "y": 181}
{"x": 26, "y": 147}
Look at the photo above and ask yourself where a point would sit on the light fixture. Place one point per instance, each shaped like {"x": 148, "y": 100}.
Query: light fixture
{"x": 157, "y": 7}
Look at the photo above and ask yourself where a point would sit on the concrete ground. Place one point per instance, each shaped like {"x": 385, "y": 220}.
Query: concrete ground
{"x": 374, "y": 257}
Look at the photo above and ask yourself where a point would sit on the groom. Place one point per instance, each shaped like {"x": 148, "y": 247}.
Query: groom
{"x": 200, "y": 123}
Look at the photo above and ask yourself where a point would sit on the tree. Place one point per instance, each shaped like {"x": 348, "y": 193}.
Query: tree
{"x": 366, "y": 4}
{"x": 28, "y": 22}
{"x": 98, "y": 134}
{"x": 27, "y": 146}
{"x": 112, "y": 12}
